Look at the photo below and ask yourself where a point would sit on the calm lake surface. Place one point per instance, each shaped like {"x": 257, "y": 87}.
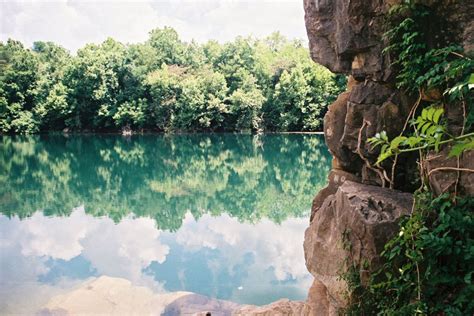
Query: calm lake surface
{"x": 221, "y": 215}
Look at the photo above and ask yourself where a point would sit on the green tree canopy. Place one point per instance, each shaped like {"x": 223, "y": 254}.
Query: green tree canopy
{"x": 164, "y": 84}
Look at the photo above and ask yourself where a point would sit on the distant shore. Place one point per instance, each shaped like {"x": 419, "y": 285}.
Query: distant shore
{"x": 152, "y": 132}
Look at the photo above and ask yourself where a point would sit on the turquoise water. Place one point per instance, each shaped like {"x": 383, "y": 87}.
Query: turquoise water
{"x": 221, "y": 215}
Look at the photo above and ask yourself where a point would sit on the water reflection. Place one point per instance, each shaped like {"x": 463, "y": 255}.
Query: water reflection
{"x": 219, "y": 215}
{"x": 162, "y": 178}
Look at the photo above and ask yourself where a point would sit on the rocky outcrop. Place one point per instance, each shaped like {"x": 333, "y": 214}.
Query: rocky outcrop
{"x": 443, "y": 175}
{"x": 353, "y": 216}
{"x": 279, "y": 308}
{"x": 357, "y": 115}
{"x": 350, "y": 228}
{"x": 346, "y": 36}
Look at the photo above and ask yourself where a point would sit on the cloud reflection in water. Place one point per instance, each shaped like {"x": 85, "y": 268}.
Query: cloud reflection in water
{"x": 215, "y": 256}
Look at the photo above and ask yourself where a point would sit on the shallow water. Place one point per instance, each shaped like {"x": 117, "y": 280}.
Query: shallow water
{"x": 220, "y": 215}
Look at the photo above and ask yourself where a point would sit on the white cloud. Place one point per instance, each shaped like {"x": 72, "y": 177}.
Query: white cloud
{"x": 130, "y": 245}
{"x": 277, "y": 252}
{"x": 120, "y": 250}
{"x": 55, "y": 237}
{"x": 20, "y": 291}
{"x": 73, "y": 23}
{"x": 126, "y": 249}
{"x": 277, "y": 247}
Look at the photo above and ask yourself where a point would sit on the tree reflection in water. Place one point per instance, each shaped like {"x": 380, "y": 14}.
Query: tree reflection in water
{"x": 249, "y": 177}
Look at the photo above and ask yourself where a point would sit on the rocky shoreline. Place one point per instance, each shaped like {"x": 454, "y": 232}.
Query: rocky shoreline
{"x": 357, "y": 213}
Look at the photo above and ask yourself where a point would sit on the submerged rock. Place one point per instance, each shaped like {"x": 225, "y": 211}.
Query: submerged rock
{"x": 195, "y": 304}
{"x": 116, "y": 296}
{"x": 281, "y": 307}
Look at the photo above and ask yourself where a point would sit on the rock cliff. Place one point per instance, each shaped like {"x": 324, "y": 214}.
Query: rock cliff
{"x": 354, "y": 216}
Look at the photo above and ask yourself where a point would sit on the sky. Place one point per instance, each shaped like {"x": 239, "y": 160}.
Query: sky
{"x": 73, "y": 23}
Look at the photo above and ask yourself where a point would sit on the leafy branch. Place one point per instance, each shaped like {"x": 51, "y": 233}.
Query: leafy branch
{"x": 430, "y": 135}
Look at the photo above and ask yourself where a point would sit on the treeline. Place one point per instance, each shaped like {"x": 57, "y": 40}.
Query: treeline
{"x": 164, "y": 84}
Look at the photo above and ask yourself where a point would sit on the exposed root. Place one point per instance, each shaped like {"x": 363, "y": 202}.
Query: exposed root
{"x": 380, "y": 172}
{"x": 458, "y": 170}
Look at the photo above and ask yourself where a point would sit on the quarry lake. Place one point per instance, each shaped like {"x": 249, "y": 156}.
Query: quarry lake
{"x": 221, "y": 215}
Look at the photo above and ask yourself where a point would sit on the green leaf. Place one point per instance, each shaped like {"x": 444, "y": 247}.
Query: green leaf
{"x": 437, "y": 114}
{"x": 424, "y": 114}
{"x": 395, "y": 143}
{"x": 413, "y": 141}
{"x": 459, "y": 148}
{"x": 471, "y": 79}
{"x": 437, "y": 143}
{"x": 431, "y": 111}
{"x": 372, "y": 140}
{"x": 383, "y": 156}
{"x": 433, "y": 129}
{"x": 468, "y": 278}
{"x": 425, "y": 127}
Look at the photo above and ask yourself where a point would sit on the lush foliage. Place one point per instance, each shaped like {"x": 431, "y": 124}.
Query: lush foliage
{"x": 164, "y": 84}
{"x": 162, "y": 177}
{"x": 429, "y": 266}
{"x": 438, "y": 72}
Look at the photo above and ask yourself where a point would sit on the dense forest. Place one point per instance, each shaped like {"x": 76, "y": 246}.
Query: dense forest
{"x": 164, "y": 84}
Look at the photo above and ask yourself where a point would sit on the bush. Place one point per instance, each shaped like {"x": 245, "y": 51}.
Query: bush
{"x": 429, "y": 265}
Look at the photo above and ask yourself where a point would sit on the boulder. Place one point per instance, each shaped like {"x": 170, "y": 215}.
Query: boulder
{"x": 319, "y": 301}
{"x": 345, "y": 36}
{"x": 443, "y": 176}
{"x": 362, "y": 216}
{"x": 283, "y": 307}
{"x": 335, "y": 179}
{"x": 199, "y": 305}
{"x": 360, "y": 113}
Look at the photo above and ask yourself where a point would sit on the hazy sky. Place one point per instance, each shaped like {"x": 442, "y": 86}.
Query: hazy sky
{"x": 72, "y": 23}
